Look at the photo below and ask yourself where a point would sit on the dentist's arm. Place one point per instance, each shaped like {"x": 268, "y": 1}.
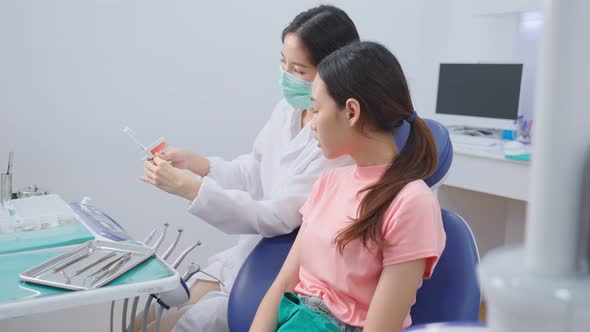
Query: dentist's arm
{"x": 241, "y": 173}
{"x": 166, "y": 170}
{"x": 267, "y": 313}
{"x": 186, "y": 159}
{"x": 163, "y": 175}
{"x": 238, "y": 212}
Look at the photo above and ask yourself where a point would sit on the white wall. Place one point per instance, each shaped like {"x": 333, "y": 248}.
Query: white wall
{"x": 202, "y": 73}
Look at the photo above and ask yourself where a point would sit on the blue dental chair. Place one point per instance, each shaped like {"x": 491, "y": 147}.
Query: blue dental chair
{"x": 451, "y": 294}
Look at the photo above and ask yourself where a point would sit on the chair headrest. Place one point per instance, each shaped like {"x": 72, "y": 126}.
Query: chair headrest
{"x": 443, "y": 146}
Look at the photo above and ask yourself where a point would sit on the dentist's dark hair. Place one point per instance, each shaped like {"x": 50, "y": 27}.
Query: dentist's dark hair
{"x": 322, "y": 30}
{"x": 369, "y": 73}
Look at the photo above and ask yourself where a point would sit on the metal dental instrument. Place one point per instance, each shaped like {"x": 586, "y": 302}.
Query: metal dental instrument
{"x": 106, "y": 266}
{"x": 72, "y": 261}
{"x": 68, "y": 280}
{"x": 161, "y": 238}
{"x": 105, "y": 270}
{"x": 113, "y": 268}
{"x": 171, "y": 248}
{"x": 184, "y": 253}
{"x": 94, "y": 263}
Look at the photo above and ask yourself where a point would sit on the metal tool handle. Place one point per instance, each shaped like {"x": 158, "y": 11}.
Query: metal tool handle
{"x": 113, "y": 268}
{"x": 71, "y": 261}
{"x": 105, "y": 267}
{"x": 94, "y": 264}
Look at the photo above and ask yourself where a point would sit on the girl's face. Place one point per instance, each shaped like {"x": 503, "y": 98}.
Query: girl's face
{"x": 295, "y": 59}
{"x": 334, "y": 128}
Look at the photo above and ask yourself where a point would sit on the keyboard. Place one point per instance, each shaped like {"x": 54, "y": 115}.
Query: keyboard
{"x": 475, "y": 141}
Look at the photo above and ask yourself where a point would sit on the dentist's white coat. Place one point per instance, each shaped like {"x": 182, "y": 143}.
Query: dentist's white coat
{"x": 257, "y": 194}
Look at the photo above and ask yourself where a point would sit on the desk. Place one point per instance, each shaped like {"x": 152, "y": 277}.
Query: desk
{"x": 490, "y": 192}
{"x": 488, "y": 171}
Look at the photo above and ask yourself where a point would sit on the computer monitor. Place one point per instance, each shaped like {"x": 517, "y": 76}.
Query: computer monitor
{"x": 478, "y": 95}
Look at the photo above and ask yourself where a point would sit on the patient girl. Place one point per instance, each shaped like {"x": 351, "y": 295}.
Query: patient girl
{"x": 371, "y": 232}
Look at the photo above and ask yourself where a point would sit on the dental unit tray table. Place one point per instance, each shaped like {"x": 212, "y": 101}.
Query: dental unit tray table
{"x": 19, "y": 298}
{"x": 90, "y": 265}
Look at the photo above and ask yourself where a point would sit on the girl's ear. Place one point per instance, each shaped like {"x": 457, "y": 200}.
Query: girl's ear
{"x": 353, "y": 111}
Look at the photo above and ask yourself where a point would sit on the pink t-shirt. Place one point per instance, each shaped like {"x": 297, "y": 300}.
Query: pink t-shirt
{"x": 346, "y": 282}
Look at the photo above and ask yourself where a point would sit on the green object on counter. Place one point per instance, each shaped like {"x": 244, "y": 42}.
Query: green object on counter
{"x": 520, "y": 157}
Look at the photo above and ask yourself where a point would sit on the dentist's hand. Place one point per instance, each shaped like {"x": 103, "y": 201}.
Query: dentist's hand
{"x": 186, "y": 159}
{"x": 163, "y": 175}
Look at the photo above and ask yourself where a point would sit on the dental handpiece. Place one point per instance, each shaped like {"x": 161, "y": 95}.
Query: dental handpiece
{"x": 146, "y": 242}
{"x": 171, "y": 248}
{"x": 184, "y": 253}
{"x": 193, "y": 269}
{"x": 161, "y": 238}
{"x": 148, "y": 239}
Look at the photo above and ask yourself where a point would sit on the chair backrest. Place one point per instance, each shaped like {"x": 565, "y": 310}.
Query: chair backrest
{"x": 443, "y": 145}
{"x": 452, "y": 293}
{"x": 263, "y": 264}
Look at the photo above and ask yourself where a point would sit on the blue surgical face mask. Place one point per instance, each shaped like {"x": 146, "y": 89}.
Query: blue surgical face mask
{"x": 296, "y": 91}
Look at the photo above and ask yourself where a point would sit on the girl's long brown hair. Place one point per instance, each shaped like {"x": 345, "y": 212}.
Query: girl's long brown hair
{"x": 369, "y": 73}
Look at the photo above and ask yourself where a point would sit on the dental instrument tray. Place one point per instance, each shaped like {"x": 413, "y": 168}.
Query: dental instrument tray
{"x": 90, "y": 265}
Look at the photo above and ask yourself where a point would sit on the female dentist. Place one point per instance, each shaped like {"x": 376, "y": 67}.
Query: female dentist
{"x": 258, "y": 194}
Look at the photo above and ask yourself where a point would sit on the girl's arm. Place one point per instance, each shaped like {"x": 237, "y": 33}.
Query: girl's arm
{"x": 395, "y": 293}
{"x": 267, "y": 314}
